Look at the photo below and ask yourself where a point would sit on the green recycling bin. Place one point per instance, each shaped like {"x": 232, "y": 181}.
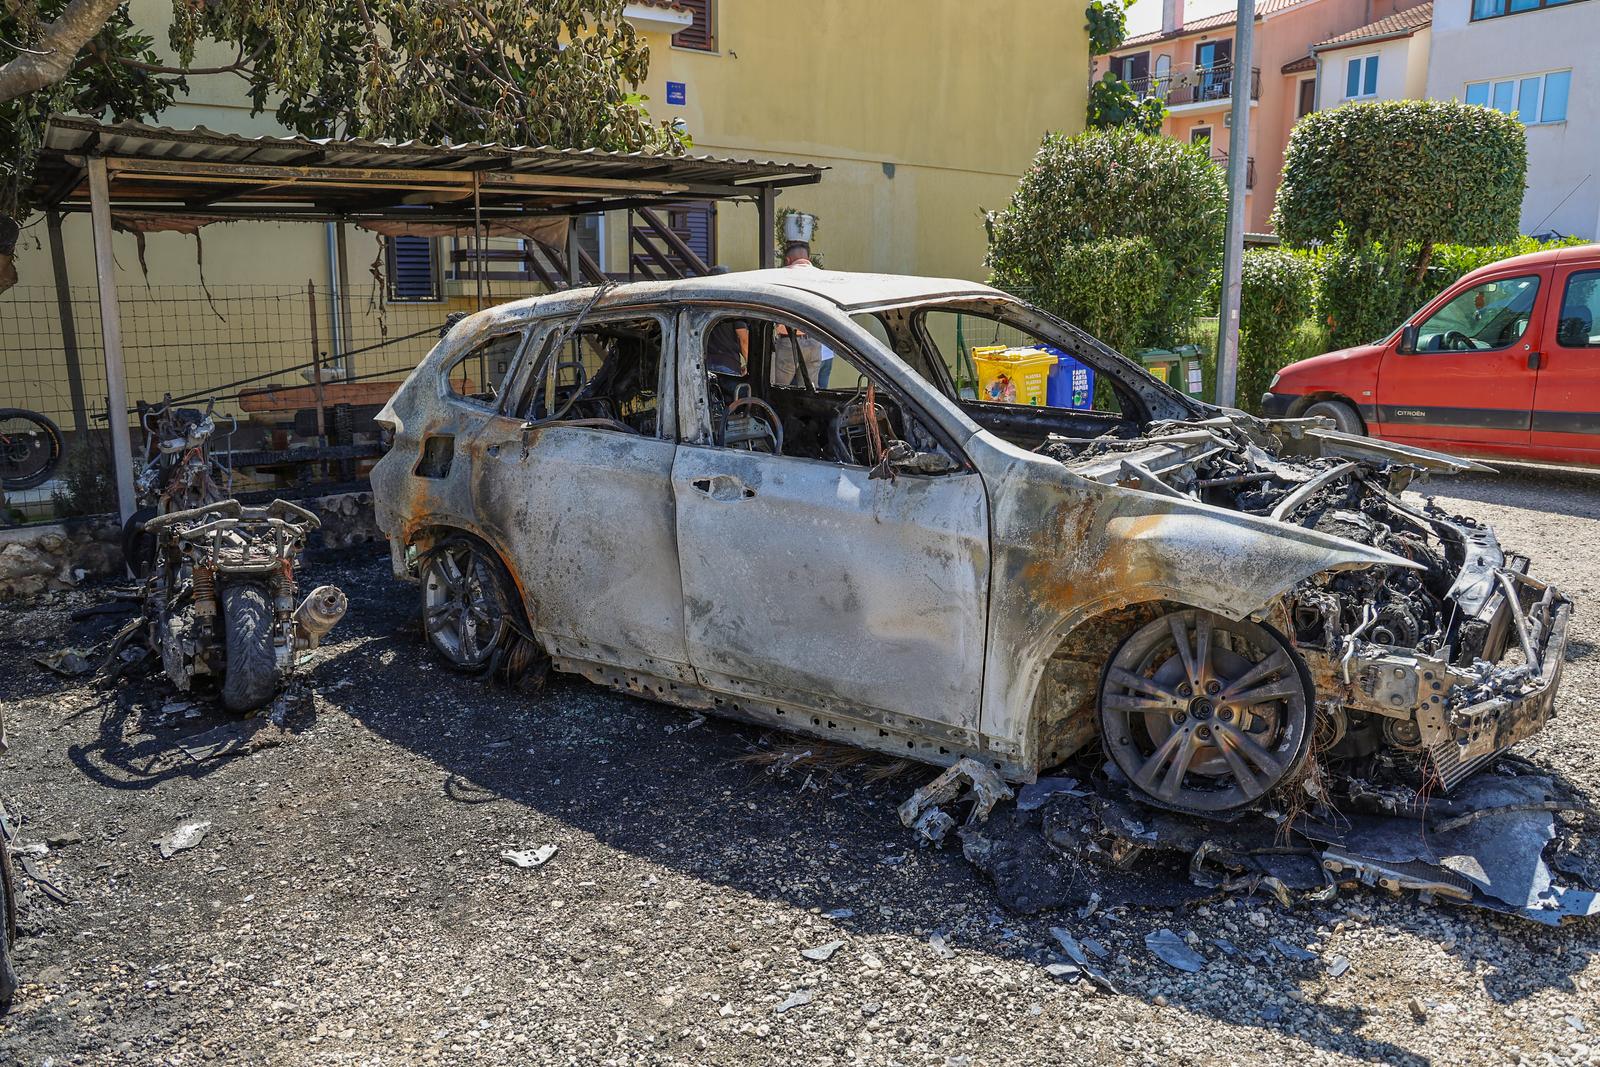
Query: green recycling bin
{"x": 1179, "y": 367}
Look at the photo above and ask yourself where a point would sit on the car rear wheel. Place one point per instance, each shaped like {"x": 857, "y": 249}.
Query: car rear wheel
{"x": 467, "y": 603}
{"x": 1203, "y": 713}
{"x": 1343, "y": 415}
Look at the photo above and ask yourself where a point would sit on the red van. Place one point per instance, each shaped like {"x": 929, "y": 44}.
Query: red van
{"x": 1506, "y": 362}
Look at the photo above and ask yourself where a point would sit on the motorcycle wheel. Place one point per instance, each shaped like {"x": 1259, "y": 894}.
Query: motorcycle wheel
{"x": 250, "y": 675}
{"x": 30, "y": 448}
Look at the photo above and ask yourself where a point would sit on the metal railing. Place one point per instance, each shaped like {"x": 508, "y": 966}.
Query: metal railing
{"x": 1195, "y": 85}
{"x": 1221, "y": 158}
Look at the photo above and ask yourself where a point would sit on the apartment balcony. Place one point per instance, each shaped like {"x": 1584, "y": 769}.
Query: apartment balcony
{"x": 1188, "y": 89}
{"x": 1221, "y": 159}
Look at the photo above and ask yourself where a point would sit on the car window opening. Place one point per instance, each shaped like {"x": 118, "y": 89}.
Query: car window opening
{"x": 606, "y": 376}
{"x": 776, "y": 386}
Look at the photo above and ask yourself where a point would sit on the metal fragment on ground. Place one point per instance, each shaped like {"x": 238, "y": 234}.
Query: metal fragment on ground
{"x": 986, "y": 787}
{"x": 941, "y": 945}
{"x": 529, "y": 858}
{"x": 822, "y": 953}
{"x": 183, "y": 837}
{"x": 1035, "y": 795}
{"x": 1337, "y": 966}
{"x": 1170, "y": 949}
{"x": 1069, "y": 944}
{"x": 1291, "y": 952}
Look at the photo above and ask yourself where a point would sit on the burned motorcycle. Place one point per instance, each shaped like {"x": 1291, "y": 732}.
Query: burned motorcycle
{"x": 219, "y": 605}
{"x": 178, "y": 471}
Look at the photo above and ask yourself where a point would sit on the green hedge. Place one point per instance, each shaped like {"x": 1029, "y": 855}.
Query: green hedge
{"x": 1108, "y": 186}
{"x": 1403, "y": 171}
{"x": 1366, "y": 290}
{"x": 1276, "y": 302}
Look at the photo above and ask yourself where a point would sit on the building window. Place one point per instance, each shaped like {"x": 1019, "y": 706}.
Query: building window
{"x": 701, "y": 34}
{"x": 1490, "y": 9}
{"x": 1134, "y": 68}
{"x": 1533, "y": 98}
{"x": 1361, "y": 77}
{"x": 1308, "y": 98}
{"x": 413, "y": 269}
{"x": 1199, "y": 134}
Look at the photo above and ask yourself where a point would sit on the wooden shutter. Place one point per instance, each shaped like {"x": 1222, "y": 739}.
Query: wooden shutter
{"x": 702, "y": 33}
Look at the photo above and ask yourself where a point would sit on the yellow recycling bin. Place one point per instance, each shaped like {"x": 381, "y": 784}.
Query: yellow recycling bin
{"x": 1013, "y": 375}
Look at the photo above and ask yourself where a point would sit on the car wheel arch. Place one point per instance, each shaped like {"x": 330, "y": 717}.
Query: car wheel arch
{"x": 425, "y": 536}
{"x": 1304, "y": 403}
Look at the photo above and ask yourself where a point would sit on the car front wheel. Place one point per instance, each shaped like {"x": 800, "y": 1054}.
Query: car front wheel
{"x": 1205, "y": 714}
{"x": 1343, "y": 415}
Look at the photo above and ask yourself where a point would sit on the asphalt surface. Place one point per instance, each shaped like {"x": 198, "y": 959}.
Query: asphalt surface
{"x": 349, "y": 903}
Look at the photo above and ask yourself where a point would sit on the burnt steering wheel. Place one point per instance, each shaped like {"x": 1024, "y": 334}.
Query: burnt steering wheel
{"x": 761, "y": 412}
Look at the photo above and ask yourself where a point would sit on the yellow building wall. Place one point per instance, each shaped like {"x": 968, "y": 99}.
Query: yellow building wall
{"x": 924, "y": 113}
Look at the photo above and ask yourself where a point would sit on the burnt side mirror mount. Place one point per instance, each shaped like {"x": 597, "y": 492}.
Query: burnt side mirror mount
{"x": 1408, "y": 340}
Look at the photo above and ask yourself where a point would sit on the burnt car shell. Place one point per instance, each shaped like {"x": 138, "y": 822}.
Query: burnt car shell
{"x": 979, "y": 604}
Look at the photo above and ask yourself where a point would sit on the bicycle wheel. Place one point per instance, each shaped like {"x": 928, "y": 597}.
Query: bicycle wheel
{"x": 30, "y": 448}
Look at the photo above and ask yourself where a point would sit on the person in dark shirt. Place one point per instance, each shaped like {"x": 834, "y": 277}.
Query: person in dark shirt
{"x": 728, "y": 345}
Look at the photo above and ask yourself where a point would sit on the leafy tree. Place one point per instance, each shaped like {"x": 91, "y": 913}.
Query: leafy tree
{"x": 1277, "y": 291}
{"x": 1110, "y": 184}
{"x": 557, "y": 72}
{"x": 1112, "y": 101}
{"x": 1405, "y": 173}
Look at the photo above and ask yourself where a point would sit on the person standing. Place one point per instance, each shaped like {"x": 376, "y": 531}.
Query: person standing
{"x": 817, "y": 356}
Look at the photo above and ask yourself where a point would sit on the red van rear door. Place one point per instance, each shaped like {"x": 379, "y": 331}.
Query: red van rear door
{"x": 1471, "y": 379}
{"x": 1566, "y": 405}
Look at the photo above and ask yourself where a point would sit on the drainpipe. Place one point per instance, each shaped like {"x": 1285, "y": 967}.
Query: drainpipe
{"x": 1316, "y": 95}
{"x": 335, "y": 334}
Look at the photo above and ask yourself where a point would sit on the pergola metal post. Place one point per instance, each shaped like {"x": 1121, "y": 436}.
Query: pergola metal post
{"x": 69, "y": 328}
{"x": 1238, "y": 173}
{"x": 111, "y": 336}
{"x": 766, "y": 220}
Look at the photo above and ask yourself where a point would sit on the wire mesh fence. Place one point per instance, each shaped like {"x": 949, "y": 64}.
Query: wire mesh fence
{"x": 267, "y": 357}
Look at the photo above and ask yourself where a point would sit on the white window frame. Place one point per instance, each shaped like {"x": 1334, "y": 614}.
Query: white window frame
{"x": 1515, "y": 81}
{"x": 1361, "y": 76}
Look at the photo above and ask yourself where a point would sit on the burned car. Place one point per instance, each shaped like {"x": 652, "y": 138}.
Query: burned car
{"x": 662, "y": 487}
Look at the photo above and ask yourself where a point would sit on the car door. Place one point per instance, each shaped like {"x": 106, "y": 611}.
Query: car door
{"x": 806, "y": 581}
{"x": 583, "y": 507}
{"x": 1566, "y": 405}
{"x": 1470, "y": 380}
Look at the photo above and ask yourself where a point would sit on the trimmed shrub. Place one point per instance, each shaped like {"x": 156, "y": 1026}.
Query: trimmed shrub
{"x": 1402, "y": 172}
{"x": 1276, "y": 300}
{"x": 1110, "y": 185}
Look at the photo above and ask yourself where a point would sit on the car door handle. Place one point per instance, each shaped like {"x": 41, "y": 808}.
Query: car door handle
{"x": 723, "y": 487}
{"x": 1535, "y": 361}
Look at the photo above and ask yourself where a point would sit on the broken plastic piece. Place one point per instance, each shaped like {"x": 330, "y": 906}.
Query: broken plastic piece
{"x": 183, "y": 837}
{"x": 1170, "y": 949}
{"x": 1291, "y": 952}
{"x": 822, "y": 953}
{"x": 529, "y": 858}
{"x": 798, "y": 999}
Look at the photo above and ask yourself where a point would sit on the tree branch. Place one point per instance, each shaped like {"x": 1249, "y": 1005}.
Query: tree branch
{"x": 241, "y": 63}
{"x": 58, "y": 45}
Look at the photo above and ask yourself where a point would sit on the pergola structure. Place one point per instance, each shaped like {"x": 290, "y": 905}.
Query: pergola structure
{"x": 144, "y": 178}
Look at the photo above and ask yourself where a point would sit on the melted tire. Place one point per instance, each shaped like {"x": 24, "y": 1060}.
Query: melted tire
{"x": 250, "y": 677}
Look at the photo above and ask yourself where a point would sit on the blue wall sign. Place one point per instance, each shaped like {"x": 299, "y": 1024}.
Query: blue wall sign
{"x": 677, "y": 93}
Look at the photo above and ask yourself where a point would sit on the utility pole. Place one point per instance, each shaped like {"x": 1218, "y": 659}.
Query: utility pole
{"x": 1241, "y": 84}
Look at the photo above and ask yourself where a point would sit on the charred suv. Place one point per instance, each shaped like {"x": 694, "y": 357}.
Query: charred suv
{"x": 764, "y": 495}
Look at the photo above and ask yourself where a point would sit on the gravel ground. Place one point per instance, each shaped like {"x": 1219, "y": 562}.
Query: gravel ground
{"x": 350, "y": 903}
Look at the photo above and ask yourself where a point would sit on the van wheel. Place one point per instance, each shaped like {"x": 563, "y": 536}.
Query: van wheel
{"x": 1343, "y": 415}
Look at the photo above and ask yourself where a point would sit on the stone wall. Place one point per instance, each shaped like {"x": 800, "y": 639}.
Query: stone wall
{"x": 34, "y": 559}
{"x": 37, "y": 559}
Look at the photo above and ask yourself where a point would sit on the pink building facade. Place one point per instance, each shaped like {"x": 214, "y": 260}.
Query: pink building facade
{"x": 1190, "y": 65}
